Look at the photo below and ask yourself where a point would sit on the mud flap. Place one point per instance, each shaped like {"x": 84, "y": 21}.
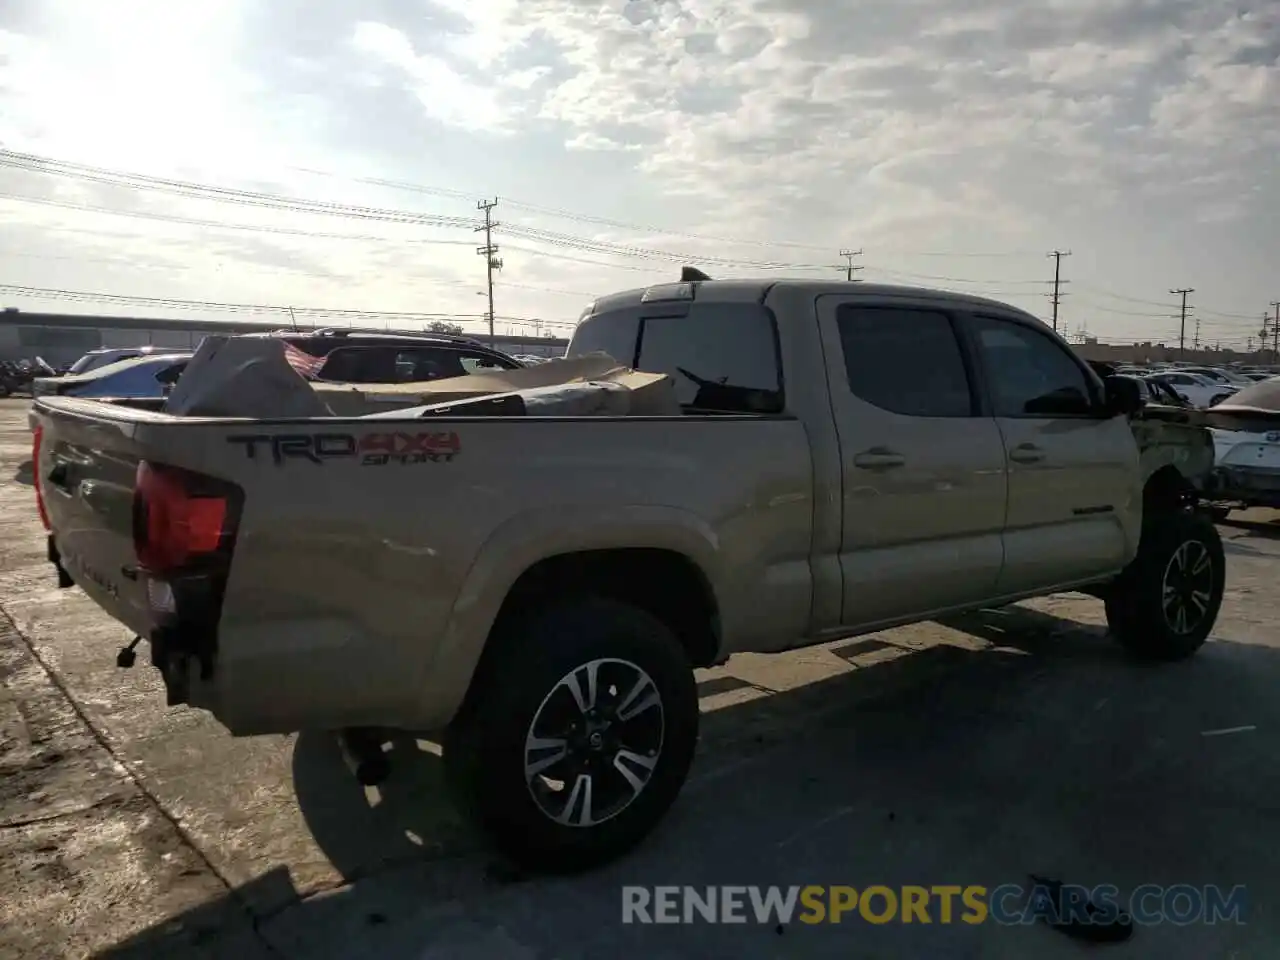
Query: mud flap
{"x": 64, "y": 578}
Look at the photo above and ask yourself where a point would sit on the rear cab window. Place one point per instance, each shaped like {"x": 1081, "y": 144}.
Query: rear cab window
{"x": 723, "y": 357}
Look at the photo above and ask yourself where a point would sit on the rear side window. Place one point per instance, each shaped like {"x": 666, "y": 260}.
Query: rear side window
{"x": 905, "y": 360}
{"x": 722, "y": 357}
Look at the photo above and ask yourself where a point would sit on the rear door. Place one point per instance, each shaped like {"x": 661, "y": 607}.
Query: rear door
{"x": 1073, "y": 472}
{"x": 86, "y": 469}
{"x": 923, "y": 467}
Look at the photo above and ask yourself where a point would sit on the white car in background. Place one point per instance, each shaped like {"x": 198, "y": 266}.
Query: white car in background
{"x": 1197, "y": 390}
{"x": 1246, "y": 449}
{"x": 1229, "y": 378}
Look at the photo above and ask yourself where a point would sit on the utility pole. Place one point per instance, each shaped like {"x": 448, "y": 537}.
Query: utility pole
{"x": 1196, "y": 342}
{"x": 848, "y": 256}
{"x": 489, "y": 251}
{"x": 1057, "y": 283}
{"x": 1182, "y": 331}
{"x": 1275, "y": 329}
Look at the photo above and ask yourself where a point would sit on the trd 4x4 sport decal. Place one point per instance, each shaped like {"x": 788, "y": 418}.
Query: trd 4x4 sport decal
{"x": 369, "y": 450}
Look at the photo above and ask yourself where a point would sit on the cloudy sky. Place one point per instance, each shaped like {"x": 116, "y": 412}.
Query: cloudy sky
{"x": 338, "y": 150}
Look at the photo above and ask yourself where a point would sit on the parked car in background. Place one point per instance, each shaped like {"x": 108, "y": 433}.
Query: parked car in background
{"x": 1197, "y": 390}
{"x": 1246, "y": 438}
{"x": 146, "y": 377}
{"x": 96, "y": 359}
{"x": 1227, "y": 377}
{"x": 366, "y": 356}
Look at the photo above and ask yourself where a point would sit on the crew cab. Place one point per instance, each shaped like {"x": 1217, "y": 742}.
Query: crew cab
{"x": 849, "y": 457}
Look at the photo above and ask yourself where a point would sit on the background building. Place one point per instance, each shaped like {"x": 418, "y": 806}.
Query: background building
{"x": 63, "y": 338}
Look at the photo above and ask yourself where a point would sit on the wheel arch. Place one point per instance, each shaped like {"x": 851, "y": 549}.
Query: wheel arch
{"x": 662, "y": 559}
{"x": 1166, "y": 489}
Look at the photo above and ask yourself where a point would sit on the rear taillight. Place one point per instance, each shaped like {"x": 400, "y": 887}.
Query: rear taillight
{"x": 181, "y": 520}
{"x": 37, "y": 440}
{"x": 184, "y": 529}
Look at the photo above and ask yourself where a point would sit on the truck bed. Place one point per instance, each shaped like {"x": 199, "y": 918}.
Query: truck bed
{"x": 370, "y": 543}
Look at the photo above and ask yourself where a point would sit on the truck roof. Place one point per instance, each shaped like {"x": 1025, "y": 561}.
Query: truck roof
{"x": 755, "y": 289}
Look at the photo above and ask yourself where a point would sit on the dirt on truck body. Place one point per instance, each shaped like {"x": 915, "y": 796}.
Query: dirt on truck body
{"x": 848, "y": 458}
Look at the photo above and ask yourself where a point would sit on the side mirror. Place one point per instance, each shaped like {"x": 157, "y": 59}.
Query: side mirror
{"x": 1123, "y": 396}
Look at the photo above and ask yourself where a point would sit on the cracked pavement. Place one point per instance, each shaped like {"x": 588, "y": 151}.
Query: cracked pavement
{"x": 974, "y": 751}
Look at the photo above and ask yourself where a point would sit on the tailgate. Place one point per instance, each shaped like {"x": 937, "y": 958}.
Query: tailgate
{"x": 85, "y": 469}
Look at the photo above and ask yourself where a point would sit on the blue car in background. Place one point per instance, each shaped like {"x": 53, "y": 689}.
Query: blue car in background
{"x": 144, "y": 377}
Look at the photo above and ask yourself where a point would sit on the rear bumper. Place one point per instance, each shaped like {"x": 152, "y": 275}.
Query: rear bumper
{"x": 271, "y": 677}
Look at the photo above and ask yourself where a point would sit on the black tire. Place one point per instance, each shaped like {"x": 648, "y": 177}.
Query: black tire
{"x": 1136, "y": 609}
{"x": 1217, "y": 399}
{"x": 485, "y": 748}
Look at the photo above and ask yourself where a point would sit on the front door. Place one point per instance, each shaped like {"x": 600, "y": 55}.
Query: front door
{"x": 923, "y": 471}
{"x": 1074, "y": 473}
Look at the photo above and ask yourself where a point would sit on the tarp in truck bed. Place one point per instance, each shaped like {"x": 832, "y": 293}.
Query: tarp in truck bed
{"x": 250, "y": 377}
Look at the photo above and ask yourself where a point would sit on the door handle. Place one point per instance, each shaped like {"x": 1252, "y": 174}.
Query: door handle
{"x": 878, "y": 458}
{"x": 1026, "y": 453}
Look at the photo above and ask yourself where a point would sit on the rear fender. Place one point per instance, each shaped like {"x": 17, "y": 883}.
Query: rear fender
{"x": 522, "y": 542}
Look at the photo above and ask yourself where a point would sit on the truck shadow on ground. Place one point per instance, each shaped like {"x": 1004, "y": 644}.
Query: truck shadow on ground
{"x": 1270, "y": 529}
{"x": 25, "y": 474}
{"x": 884, "y": 740}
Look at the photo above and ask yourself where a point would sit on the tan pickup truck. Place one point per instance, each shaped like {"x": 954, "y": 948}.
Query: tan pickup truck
{"x": 850, "y": 457}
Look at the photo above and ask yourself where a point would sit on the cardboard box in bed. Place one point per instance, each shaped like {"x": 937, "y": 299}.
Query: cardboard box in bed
{"x": 652, "y": 394}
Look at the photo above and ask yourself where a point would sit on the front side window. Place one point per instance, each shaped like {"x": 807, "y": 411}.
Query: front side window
{"x": 1030, "y": 373}
{"x": 905, "y": 360}
{"x": 723, "y": 357}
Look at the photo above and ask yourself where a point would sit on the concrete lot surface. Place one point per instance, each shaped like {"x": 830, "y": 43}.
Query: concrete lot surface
{"x": 971, "y": 752}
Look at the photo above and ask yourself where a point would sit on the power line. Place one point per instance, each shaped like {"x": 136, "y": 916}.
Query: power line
{"x": 561, "y": 213}
{"x": 1056, "y": 298}
{"x": 53, "y": 293}
{"x": 489, "y": 251}
{"x": 198, "y": 191}
{"x": 553, "y": 239}
{"x": 219, "y": 224}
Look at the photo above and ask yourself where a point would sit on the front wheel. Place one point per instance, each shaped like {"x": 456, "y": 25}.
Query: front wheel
{"x": 1165, "y": 604}
{"x": 579, "y": 735}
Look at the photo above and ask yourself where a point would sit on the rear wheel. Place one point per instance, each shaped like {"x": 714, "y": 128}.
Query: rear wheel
{"x": 1165, "y": 604}
{"x": 579, "y": 735}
